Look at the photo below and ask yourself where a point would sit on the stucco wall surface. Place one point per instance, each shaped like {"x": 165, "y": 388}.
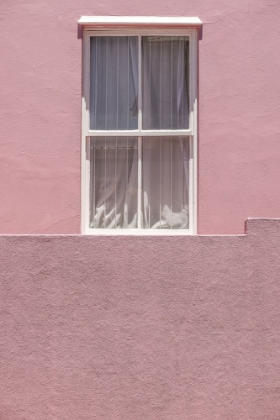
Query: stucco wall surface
{"x": 179, "y": 329}
{"x": 40, "y": 110}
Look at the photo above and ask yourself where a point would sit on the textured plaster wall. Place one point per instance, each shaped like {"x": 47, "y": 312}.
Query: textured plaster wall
{"x": 191, "y": 334}
{"x": 40, "y": 110}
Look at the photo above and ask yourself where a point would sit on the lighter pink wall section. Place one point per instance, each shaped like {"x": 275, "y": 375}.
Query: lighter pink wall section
{"x": 90, "y": 333}
{"x": 40, "y": 110}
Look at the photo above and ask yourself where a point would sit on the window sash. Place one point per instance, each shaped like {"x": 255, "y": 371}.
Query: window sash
{"x": 146, "y": 55}
{"x": 191, "y": 132}
{"x": 191, "y": 34}
{"x": 141, "y": 182}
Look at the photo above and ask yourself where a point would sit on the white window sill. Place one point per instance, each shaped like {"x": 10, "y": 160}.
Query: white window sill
{"x": 138, "y": 232}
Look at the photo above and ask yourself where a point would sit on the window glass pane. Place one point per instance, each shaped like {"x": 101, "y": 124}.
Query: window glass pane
{"x": 113, "y": 83}
{"x": 113, "y": 182}
{"x": 165, "y": 183}
{"x": 165, "y": 82}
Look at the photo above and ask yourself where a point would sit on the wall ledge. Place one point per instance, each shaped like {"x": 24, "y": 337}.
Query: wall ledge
{"x": 253, "y": 226}
{"x": 261, "y": 225}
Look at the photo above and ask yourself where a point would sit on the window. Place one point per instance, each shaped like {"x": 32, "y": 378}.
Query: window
{"x": 139, "y": 130}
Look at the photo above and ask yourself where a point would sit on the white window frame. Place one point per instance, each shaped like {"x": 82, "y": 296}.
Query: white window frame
{"x": 104, "y": 29}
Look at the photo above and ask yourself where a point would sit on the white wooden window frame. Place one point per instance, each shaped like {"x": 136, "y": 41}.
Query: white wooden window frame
{"x": 87, "y": 133}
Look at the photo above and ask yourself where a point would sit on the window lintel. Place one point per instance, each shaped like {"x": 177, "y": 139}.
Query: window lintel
{"x": 139, "y": 21}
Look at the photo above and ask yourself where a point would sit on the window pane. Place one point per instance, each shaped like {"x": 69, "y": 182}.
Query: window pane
{"x": 113, "y": 83}
{"x": 113, "y": 182}
{"x": 165, "y": 183}
{"x": 165, "y": 82}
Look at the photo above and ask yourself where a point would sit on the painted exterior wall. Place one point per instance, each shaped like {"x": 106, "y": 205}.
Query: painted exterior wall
{"x": 40, "y": 110}
{"x": 154, "y": 328}
{"x": 87, "y": 333}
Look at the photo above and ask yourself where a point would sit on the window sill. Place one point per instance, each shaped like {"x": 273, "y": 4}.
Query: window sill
{"x": 138, "y": 232}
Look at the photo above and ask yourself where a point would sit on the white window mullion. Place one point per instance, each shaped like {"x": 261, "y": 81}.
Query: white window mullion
{"x": 118, "y": 82}
{"x": 136, "y": 133}
{"x": 171, "y": 86}
{"x": 116, "y": 166}
{"x": 171, "y": 184}
{"x": 87, "y": 171}
{"x": 149, "y": 183}
{"x": 128, "y": 82}
{"x": 96, "y": 85}
{"x": 105, "y": 186}
{"x": 94, "y": 180}
{"x": 160, "y": 181}
{"x": 126, "y": 188}
{"x": 139, "y": 195}
{"x": 191, "y": 184}
{"x": 160, "y": 65}
{"x": 139, "y": 173}
{"x": 139, "y": 83}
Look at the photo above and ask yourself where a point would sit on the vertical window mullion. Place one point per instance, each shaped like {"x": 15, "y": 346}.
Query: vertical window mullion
{"x": 116, "y": 166}
{"x": 149, "y": 166}
{"x": 191, "y": 181}
{"x": 140, "y": 163}
{"x": 139, "y": 195}
{"x": 94, "y": 180}
{"x": 139, "y": 83}
{"x": 171, "y": 85}
{"x": 160, "y": 179}
{"x": 105, "y": 186}
{"x": 160, "y": 65}
{"x": 96, "y": 85}
{"x": 171, "y": 176}
{"x": 126, "y": 189}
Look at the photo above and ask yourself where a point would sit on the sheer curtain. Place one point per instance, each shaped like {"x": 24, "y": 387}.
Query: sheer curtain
{"x": 165, "y": 106}
{"x": 165, "y": 183}
{"x": 113, "y": 83}
{"x": 165, "y": 82}
{"x": 114, "y": 106}
{"x": 113, "y": 179}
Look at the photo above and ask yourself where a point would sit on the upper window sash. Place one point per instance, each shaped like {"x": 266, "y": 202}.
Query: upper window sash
{"x": 191, "y": 34}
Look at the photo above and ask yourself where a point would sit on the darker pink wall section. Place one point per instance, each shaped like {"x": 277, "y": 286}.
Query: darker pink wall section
{"x": 40, "y": 110}
{"x": 90, "y": 333}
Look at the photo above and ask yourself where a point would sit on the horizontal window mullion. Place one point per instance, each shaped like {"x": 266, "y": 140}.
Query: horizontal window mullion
{"x": 113, "y": 133}
{"x": 159, "y": 133}
{"x": 143, "y": 133}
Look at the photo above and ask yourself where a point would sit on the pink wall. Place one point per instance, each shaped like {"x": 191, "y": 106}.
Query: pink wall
{"x": 40, "y": 110}
{"x": 193, "y": 334}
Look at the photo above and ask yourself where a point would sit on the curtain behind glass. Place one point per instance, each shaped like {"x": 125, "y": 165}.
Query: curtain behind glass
{"x": 165, "y": 182}
{"x": 113, "y": 83}
{"x": 113, "y": 182}
{"x": 114, "y": 106}
{"x": 165, "y": 82}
